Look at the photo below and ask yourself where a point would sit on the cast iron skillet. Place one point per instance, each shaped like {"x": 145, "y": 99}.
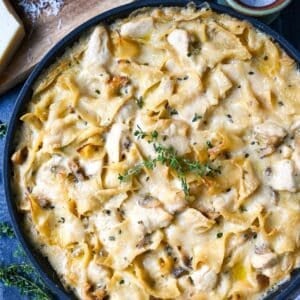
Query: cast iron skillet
{"x": 288, "y": 290}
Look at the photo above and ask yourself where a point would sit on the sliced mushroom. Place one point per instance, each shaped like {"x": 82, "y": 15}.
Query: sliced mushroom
{"x": 76, "y": 170}
{"x": 263, "y": 258}
{"x": 148, "y": 201}
{"x": 179, "y": 272}
{"x": 44, "y": 202}
{"x": 269, "y": 136}
{"x": 263, "y": 281}
{"x": 145, "y": 241}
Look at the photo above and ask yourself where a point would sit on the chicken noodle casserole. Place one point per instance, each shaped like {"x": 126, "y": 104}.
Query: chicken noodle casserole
{"x": 159, "y": 159}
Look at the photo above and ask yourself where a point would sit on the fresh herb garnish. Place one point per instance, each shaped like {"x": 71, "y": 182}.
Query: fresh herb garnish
{"x": 3, "y": 129}
{"x": 196, "y": 117}
{"x": 18, "y": 276}
{"x": 22, "y": 276}
{"x": 139, "y": 133}
{"x": 154, "y": 135}
{"x": 136, "y": 170}
{"x": 168, "y": 156}
{"x": 209, "y": 144}
{"x": 6, "y": 230}
{"x": 139, "y": 102}
{"x": 219, "y": 235}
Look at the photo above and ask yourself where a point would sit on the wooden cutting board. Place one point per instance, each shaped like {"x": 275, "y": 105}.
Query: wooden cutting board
{"x": 44, "y": 32}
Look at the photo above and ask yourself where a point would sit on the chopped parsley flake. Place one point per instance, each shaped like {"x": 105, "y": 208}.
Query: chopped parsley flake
{"x": 139, "y": 133}
{"x": 219, "y": 235}
{"x": 209, "y": 144}
{"x": 196, "y": 117}
{"x": 139, "y": 102}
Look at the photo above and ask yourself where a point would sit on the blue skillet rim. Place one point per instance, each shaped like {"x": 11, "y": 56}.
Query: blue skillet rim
{"x": 287, "y": 290}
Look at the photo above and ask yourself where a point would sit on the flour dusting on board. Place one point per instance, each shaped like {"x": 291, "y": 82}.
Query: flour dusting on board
{"x": 34, "y": 8}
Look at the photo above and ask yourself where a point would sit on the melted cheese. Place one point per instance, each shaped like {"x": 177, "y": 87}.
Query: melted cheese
{"x": 117, "y": 219}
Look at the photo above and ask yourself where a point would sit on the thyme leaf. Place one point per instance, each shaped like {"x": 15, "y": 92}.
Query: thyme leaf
{"x": 136, "y": 170}
{"x": 139, "y": 133}
{"x": 6, "y": 230}
{"x": 3, "y": 129}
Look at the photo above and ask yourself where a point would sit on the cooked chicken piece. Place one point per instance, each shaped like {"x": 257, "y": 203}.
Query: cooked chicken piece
{"x": 179, "y": 40}
{"x": 269, "y": 136}
{"x": 98, "y": 53}
{"x": 113, "y": 142}
{"x": 138, "y": 29}
{"x": 204, "y": 279}
{"x": 282, "y": 176}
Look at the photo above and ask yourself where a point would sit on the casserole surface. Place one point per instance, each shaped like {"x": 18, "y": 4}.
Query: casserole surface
{"x": 138, "y": 130}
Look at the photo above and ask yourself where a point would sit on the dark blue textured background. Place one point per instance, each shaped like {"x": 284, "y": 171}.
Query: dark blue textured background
{"x": 288, "y": 24}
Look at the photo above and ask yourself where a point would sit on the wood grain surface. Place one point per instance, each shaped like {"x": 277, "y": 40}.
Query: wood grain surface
{"x": 43, "y": 33}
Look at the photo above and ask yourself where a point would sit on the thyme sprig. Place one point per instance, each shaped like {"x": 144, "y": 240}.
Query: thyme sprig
{"x": 140, "y": 134}
{"x": 17, "y": 276}
{"x": 22, "y": 276}
{"x": 168, "y": 156}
